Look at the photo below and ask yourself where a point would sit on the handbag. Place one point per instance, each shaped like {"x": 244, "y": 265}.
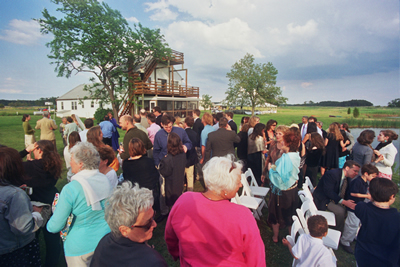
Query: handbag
{"x": 67, "y": 227}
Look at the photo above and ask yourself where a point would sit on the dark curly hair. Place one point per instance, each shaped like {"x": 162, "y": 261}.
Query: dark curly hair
{"x": 51, "y": 159}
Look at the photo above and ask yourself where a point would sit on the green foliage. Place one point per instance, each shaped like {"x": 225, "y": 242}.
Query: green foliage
{"x": 395, "y": 103}
{"x": 206, "y": 101}
{"x": 93, "y": 38}
{"x": 349, "y": 111}
{"x": 356, "y": 112}
{"x": 253, "y": 84}
{"x": 100, "y": 113}
{"x": 1, "y": 105}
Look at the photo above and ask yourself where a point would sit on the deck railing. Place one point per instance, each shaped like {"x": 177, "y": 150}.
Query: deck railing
{"x": 155, "y": 88}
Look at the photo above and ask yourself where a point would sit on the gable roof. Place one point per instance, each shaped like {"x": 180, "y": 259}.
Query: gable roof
{"x": 76, "y": 93}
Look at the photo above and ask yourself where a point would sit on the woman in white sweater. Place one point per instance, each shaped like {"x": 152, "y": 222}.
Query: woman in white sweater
{"x": 385, "y": 153}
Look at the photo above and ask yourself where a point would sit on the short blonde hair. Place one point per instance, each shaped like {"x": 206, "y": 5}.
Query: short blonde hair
{"x": 207, "y": 118}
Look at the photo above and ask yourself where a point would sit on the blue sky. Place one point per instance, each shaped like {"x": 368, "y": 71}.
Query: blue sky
{"x": 324, "y": 50}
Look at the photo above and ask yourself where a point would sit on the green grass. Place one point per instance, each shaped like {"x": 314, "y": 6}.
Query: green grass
{"x": 289, "y": 115}
{"x": 12, "y": 135}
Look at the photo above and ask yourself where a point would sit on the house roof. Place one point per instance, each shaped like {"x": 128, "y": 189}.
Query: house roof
{"x": 76, "y": 93}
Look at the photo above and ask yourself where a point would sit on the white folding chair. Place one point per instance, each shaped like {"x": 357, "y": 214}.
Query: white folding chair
{"x": 255, "y": 189}
{"x": 331, "y": 240}
{"x": 305, "y": 195}
{"x": 307, "y": 182}
{"x": 296, "y": 228}
{"x": 247, "y": 200}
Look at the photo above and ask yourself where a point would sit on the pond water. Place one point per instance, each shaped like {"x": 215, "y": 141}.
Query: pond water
{"x": 356, "y": 132}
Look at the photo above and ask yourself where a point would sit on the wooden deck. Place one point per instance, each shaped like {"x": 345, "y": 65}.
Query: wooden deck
{"x": 160, "y": 89}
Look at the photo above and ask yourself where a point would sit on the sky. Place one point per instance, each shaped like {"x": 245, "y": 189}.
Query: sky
{"x": 331, "y": 50}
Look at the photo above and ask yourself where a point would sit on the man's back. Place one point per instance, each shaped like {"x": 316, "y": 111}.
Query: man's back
{"x": 328, "y": 188}
{"x": 221, "y": 143}
{"x": 46, "y": 127}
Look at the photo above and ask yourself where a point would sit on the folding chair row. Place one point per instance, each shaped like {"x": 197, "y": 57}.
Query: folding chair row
{"x": 305, "y": 195}
{"x": 331, "y": 240}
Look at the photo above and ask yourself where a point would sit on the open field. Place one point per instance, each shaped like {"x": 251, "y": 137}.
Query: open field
{"x": 12, "y": 135}
{"x": 373, "y": 117}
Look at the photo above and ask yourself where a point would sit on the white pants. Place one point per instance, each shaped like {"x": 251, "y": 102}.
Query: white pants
{"x": 350, "y": 229}
{"x": 80, "y": 261}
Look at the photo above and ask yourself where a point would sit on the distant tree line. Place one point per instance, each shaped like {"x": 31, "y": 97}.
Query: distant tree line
{"x": 27, "y": 103}
{"x": 349, "y": 103}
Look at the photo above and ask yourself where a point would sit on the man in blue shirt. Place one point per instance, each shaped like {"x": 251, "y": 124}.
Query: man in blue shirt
{"x": 107, "y": 128}
{"x": 161, "y": 138}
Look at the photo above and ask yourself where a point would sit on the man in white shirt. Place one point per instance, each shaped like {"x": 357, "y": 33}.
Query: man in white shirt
{"x": 88, "y": 124}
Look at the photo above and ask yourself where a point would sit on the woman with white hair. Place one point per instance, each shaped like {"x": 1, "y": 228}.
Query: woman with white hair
{"x": 84, "y": 198}
{"x": 130, "y": 215}
{"x": 209, "y": 224}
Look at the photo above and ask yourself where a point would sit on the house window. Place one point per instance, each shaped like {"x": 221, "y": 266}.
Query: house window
{"x": 83, "y": 104}
{"x": 62, "y": 105}
{"x": 92, "y": 104}
{"x": 74, "y": 105}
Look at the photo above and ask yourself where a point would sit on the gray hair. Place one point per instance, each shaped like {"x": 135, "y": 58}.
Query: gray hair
{"x": 45, "y": 114}
{"x": 125, "y": 204}
{"x": 86, "y": 153}
{"x": 218, "y": 175}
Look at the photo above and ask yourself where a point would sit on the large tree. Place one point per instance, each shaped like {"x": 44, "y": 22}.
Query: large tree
{"x": 91, "y": 37}
{"x": 253, "y": 84}
{"x": 206, "y": 101}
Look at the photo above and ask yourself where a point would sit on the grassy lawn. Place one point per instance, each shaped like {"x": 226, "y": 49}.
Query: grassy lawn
{"x": 12, "y": 135}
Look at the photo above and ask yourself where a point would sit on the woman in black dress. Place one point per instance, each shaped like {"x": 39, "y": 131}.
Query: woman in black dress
{"x": 172, "y": 167}
{"x": 42, "y": 175}
{"x": 314, "y": 151}
{"x": 138, "y": 168}
{"x": 333, "y": 142}
{"x": 256, "y": 150}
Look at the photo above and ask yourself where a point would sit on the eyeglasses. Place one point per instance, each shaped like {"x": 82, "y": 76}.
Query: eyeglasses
{"x": 273, "y": 124}
{"x": 232, "y": 167}
{"x": 148, "y": 225}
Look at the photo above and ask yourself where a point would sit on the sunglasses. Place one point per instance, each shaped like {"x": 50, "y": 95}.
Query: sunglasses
{"x": 148, "y": 225}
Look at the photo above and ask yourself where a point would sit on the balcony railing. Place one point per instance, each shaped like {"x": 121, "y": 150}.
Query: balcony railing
{"x": 155, "y": 88}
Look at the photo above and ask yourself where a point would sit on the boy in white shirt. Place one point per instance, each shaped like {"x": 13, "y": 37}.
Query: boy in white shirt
{"x": 309, "y": 249}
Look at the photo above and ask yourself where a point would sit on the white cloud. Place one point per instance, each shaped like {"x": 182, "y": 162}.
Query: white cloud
{"x": 22, "y": 32}
{"x": 161, "y": 11}
{"x": 309, "y": 29}
{"x": 306, "y": 84}
{"x": 132, "y": 19}
{"x": 10, "y": 91}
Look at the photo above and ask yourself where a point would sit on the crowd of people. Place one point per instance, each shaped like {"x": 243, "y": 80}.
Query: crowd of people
{"x": 106, "y": 220}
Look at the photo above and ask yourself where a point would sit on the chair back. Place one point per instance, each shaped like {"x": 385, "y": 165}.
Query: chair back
{"x": 309, "y": 184}
{"x": 249, "y": 173}
{"x": 303, "y": 213}
{"x": 246, "y": 191}
{"x": 296, "y": 228}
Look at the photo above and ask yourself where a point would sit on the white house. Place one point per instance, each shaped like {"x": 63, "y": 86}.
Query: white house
{"x": 73, "y": 102}
{"x": 156, "y": 83}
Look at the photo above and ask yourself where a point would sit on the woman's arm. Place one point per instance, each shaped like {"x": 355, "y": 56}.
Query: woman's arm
{"x": 326, "y": 141}
{"x": 63, "y": 210}
{"x": 388, "y": 158}
{"x": 368, "y": 156}
{"x": 19, "y": 214}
